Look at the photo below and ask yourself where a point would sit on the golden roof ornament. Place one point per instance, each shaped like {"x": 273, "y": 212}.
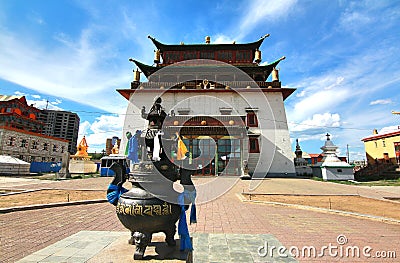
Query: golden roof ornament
{"x": 257, "y": 56}
{"x": 275, "y": 75}
{"x": 157, "y": 56}
{"x": 136, "y": 75}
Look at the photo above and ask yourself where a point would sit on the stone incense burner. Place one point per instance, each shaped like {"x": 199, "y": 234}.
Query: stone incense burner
{"x": 147, "y": 208}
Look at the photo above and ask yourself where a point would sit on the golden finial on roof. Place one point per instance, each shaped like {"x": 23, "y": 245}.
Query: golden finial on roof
{"x": 157, "y": 56}
{"x": 136, "y": 75}
{"x": 257, "y": 56}
{"x": 275, "y": 75}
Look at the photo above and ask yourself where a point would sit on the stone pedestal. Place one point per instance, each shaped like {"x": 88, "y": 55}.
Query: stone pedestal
{"x": 82, "y": 166}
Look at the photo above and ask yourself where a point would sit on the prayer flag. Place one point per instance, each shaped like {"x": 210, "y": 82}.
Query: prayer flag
{"x": 182, "y": 150}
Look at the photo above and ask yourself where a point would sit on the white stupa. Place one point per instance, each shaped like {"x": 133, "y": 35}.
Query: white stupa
{"x": 331, "y": 167}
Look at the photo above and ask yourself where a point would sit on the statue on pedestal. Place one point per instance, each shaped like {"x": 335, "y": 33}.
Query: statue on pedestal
{"x": 152, "y": 205}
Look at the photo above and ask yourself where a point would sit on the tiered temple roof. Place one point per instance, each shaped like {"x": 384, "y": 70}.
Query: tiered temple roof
{"x": 246, "y": 57}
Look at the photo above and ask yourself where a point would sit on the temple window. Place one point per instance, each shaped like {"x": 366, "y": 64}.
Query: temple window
{"x": 383, "y": 143}
{"x": 243, "y": 55}
{"x": 252, "y": 119}
{"x": 253, "y": 145}
{"x": 45, "y": 146}
{"x": 206, "y": 55}
{"x": 54, "y": 148}
{"x": 224, "y": 55}
{"x": 171, "y": 56}
{"x": 190, "y": 55}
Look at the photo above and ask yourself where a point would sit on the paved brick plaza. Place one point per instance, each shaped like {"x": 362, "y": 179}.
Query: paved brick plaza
{"x": 25, "y": 232}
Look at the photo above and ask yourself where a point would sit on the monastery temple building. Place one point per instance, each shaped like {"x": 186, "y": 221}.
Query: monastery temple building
{"x": 219, "y": 100}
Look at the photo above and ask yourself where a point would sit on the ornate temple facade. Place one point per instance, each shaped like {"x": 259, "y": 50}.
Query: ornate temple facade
{"x": 220, "y": 101}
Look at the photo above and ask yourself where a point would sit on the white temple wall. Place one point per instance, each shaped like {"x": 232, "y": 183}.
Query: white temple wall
{"x": 275, "y": 157}
{"x": 337, "y": 173}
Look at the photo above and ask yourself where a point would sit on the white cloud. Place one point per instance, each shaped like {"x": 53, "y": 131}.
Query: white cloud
{"x": 57, "y": 101}
{"x": 381, "y": 102}
{"x": 103, "y": 127}
{"x": 263, "y": 10}
{"x": 308, "y": 137}
{"x": 318, "y": 101}
{"x": 78, "y": 69}
{"x": 43, "y": 104}
{"x": 36, "y": 18}
{"x": 344, "y": 87}
{"x": 318, "y": 121}
{"x": 221, "y": 39}
{"x": 36, "y": 96}
{"x": 389, "y": 129}
{"x": 18, "y": 93}
{"x": 301, "y": 94}
{"x": 352, "y": 20}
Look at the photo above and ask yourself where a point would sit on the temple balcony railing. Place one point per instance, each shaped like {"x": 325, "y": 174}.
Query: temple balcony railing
{"x": 205, "y": 84}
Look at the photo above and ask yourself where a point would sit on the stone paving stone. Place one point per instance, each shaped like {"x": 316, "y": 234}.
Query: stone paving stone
{"x": 33, "y": 258}
{"x": 48, "y": 251}
{"x": 78, "y": 247}
{"x": 235, "y": 248}
{"x": 54, "y": 259}
{"x": 67, "y": 251}
{"x": 76, "y": 260}
{"x": 25, "y": 232}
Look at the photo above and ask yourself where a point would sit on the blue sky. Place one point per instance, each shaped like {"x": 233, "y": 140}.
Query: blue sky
{"x": 343, "y": 57}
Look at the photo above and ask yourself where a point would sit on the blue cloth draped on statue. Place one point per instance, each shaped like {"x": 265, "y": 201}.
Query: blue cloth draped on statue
{"x": 133, "y": 147}
{"x": 114, "y": 192}
{"x": 183, "y": 230}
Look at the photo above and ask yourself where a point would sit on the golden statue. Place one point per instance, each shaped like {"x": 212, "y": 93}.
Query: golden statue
{"x": 115, "y": 149}
{"x": 82, "y": 153}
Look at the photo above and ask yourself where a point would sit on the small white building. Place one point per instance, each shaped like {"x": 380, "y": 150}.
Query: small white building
{"x": 331, "y": 167}
{"x": 13, "y": 166}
